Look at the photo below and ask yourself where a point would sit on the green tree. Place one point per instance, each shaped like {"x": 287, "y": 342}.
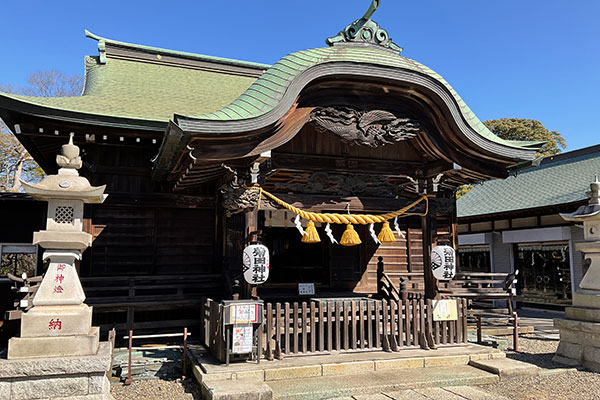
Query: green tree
{"x": 16, "y": 163}
{"x": 528, "y": 129}
{"x": 462, "y": 190}
{"x": 522, "y": 129}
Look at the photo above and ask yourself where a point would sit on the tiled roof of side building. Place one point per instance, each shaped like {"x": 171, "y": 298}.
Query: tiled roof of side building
{"x": 151, "y": 90}
{"x": 560, "y": 179}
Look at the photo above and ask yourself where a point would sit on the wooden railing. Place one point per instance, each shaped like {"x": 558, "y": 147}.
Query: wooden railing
{"x": 212, "y": 335}
{"x": 402, "y": 285}
{"x": 387, "y": 289}
{"x": 345, "y": 326}
{"x": 482, "y": 286}
{"x": 148, "y": 303}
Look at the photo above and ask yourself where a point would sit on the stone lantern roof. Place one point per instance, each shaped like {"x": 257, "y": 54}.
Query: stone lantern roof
{"x": 591, "y": 211}
{"x": 67, "y": 184}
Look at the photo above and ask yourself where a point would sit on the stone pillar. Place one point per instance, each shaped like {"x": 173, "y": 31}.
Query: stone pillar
{"x": 57, "y": 332}
{"x": 59, "y": 324}
{"x": 580, "y": 329}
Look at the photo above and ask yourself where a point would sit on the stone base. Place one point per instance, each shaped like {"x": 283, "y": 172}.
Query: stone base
{"x": 586, "y": 306}
{"x": 579, "y": 343}
{"x": 74, "y": 320}
{"x": 582, "y": 314}
{"x": 58, "y": 346}
{"x": 57, "y": 378}
{"x": 586, "y": 298}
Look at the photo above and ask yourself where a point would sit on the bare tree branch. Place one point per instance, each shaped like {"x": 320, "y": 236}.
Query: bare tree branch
{"x": 15, "y": 161}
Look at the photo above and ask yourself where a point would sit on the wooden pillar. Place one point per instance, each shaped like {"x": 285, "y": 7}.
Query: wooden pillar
{"x": 454, "y": 235}
{"x": 429, "y": 229}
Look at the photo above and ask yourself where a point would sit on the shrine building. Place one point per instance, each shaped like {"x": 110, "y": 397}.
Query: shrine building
{"x": 202, "y": 156}
{"x": 525, "y": 231}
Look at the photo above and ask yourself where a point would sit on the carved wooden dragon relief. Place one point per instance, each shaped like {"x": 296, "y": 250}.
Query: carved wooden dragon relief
{"x": 365, "y": 128}
{"x": 237, "y": 198}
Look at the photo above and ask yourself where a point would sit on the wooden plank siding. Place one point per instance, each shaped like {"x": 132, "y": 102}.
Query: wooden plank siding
{"x": 148, "y": 240}
{"x": 149, "y": 266}
{"x": 403, "y": 255}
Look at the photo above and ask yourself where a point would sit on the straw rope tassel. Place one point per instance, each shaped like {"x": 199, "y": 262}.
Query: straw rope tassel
{"x": 350, "y": 237}
{"x": 386, "y": 235}
{"x": 312, "y": 236}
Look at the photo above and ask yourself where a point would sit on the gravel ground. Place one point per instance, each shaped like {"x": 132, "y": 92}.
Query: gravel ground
{"x": 536, "y": 350}
{"x": 156, "y": 389}
{"x": 533, "y": 349}
{"x": 566, "y": 385}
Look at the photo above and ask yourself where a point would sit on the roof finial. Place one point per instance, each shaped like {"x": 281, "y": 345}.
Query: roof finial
{"x": 366, "y": 31}
{"x": 69, "y": 157}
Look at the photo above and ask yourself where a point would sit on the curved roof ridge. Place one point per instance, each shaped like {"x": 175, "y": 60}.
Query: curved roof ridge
{"x": 183, "y": 54}
{"x": 269, "y": 89}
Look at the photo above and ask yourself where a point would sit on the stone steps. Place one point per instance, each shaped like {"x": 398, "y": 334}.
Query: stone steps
{"x": 359, "y": 380}
{"x": 326, "y": 387}
{"x": 331, "y": 375}
{"x": 506, "y": 368}
{"x": 438, "y": 393}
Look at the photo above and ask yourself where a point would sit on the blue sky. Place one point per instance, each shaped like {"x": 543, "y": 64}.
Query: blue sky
{"x": 528, "y": 58}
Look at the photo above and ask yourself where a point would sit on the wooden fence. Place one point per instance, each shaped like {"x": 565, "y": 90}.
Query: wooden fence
{"x": 341, "y": 326}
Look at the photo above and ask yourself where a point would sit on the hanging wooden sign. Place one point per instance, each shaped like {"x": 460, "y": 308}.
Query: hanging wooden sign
{"x": 256, "y": 264}
{"x": 443, "y": 262}
{"x": 445, "y": 310}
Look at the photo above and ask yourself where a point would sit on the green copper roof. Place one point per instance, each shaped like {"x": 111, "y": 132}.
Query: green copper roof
{"x": 557, "y": 180}
{"x": 264, "y": 94}
{"x": 146, "y": 91}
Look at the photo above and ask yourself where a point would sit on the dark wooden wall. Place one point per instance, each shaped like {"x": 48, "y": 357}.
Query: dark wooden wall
{"x": 143, "y": 240}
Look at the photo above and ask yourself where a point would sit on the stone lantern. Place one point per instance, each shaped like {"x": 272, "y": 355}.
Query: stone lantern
{"x": 60, "y": 324}
{"x": 580, "y": 330}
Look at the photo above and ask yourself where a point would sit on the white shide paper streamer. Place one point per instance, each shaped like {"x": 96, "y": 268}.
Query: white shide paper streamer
{"x": 330, "y": 234}
{"x": 373, "y": 235}
{"x": 397, "y": 227}
{"x": 299, "y": 226}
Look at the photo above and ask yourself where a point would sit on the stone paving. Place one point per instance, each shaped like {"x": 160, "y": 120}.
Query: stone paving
{"x": 446, "y": 393}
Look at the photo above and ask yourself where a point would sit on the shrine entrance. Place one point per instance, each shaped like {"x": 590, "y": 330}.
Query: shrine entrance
{"x": 293, "y": 261}
{"x": 331, "y": 267}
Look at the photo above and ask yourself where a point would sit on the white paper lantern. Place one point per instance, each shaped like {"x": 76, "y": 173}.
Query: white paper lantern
{"x": 256, "y": 264}
{"x": 443, "y": 262}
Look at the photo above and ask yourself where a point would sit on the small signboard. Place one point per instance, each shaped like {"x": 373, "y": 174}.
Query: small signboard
{"x": 243, "y": 314}
{"x": 445, "y": 310}
{"x": 242, "y": 339}
{"x": 306, "y": 289}
{"x": 443, "y": 262}
{"x": 256, "y": 264}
